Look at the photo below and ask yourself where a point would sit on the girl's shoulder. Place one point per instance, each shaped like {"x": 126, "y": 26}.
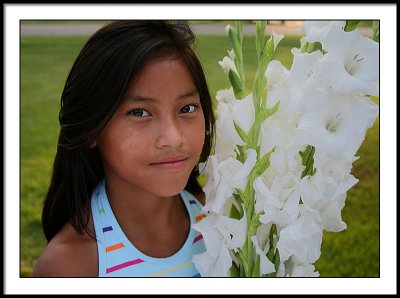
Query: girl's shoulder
{"x": 201, "y": 197}
{"x": 68, "y": 254}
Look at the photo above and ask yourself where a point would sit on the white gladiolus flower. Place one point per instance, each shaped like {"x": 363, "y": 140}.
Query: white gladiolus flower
{"x": 216, "y": 261}
{"x": 325, "y": 190}
{"x": 231, "y": 54}
{"x": 278, "y": 131}
{"x": 225, "y": 127}
{"x": 333, "y": 174}
{"x": 351, "y": 66}
{"x": 281, "y": 172}
{"x": 223, "y": 148}
{"x": 302, "y": 239}
{"x": 225, "y": 131}
{"x": 224, "y": 177}
{"x": 233, "y": 111}
{"x": 331, "y": 214}
{"x": 233, "y": 230}
{"x": 303, "y": 68}
{"x": 266, "y": 265}
{"x": 227, "y": 64}
{"x": 226, "y": 95}
{"x": 227, "y": 27}
{"x": 243, "y": 112}
{"x": 315, "y": 31}
{"x": 302, "y": 270}
{"x": 275, "y": 73}
{"x": 239, "y": 180}
{"x": 277, "y": 87}
{"x": 338, "y": 127}
{"x": 277, "y": 38}
{"x": 219, "y": 188}
{"x": 281, "y": 206}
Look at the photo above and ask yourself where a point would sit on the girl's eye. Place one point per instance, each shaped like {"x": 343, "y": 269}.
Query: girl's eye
{"x": 189, "y": 108}
{"x": 139, "y": 113}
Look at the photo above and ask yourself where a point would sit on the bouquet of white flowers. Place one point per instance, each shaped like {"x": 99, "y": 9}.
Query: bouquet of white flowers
{"x": 284, "y": 152}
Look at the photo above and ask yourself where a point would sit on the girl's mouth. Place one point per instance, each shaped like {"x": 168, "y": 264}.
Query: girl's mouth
{"x": 170, "y": 163}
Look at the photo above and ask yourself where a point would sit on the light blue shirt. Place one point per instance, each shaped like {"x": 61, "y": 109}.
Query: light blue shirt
{"x": 118, "y": 257}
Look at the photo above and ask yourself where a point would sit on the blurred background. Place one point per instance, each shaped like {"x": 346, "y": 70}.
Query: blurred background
{"x": 47, "y": 52}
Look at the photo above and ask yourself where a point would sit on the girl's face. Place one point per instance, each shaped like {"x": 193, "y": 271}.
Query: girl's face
{"x": 156, "y": 136}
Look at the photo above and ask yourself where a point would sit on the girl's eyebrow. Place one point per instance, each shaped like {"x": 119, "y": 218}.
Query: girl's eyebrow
{"x": 190, "y": 93}
{"x": 143, "y": 98}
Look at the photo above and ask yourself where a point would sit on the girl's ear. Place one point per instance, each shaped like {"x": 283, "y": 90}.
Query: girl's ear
{"x": 92, "y": 144}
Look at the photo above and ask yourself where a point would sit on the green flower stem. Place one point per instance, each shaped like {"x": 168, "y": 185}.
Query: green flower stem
{"x": 256, "y": 268}
{"x": 248, "y": 258}
{"x": 264, "y": 54}
{"x": 243, "y": 269}
{"x": 239, "y": 55}
{"x": 375, "y": 30}
{"x": 236, "y": 40}
{"x": 250, "y": 195}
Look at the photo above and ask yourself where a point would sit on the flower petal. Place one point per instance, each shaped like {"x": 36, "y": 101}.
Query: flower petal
{"x": 243, "y": 113}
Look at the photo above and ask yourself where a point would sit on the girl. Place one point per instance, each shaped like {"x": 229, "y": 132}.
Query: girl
{"x": 136, "y": 119}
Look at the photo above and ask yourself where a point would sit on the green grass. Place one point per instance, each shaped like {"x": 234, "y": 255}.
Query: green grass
{"x": 212, "y": 49}
{"x": 45, "y": 62}
{"x": 354, "y": 252}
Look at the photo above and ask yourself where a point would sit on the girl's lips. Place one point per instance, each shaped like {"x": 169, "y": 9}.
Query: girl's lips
{"x": 170, "y": 163}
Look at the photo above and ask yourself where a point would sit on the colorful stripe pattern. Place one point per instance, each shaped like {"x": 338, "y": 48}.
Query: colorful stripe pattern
{"x": 166, "y": 271}
{"x": 118, "y": 256}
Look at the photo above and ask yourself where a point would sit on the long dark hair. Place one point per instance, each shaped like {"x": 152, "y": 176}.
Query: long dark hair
{"x": 93, "y": 91}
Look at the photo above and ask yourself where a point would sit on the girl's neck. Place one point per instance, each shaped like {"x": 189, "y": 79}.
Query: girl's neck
{"x": 135, "y": 204}
{"x": 157, "y": 226}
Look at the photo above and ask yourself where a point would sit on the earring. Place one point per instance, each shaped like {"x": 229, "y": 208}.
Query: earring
{"x": 207, "y": 132}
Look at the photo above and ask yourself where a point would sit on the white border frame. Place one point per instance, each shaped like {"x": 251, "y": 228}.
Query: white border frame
{"x": 385, "y": 284}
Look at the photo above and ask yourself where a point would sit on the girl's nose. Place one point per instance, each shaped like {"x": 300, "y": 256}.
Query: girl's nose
{"x": 170, "y": 134}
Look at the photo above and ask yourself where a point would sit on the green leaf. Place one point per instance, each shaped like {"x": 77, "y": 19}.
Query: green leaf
{"x": 242, "y": 272}
{"x": 236, "y": 83}
{"x": 269, "y": 112}
{"x": 262, "y": 164}
{"x": 273, "y": 253}
{"x": 310, "y": 47}
{"x": 303, "y": 45}
{"x": 256, "y": 268}
{"x": 276, "y": 260}
{"x": 270, "y": 253}
{"x": 254, "y": 224}
{"x": 243, "y": 135}
{"x": 260, "y": 37}
{"x": 236, "y": 211}
{"x": 307, "y": 160}
{"x": 351, "y": 25}
{"x": 266, "y": 55}
{"x": 233, "y": 38}
{"x": 271, "y": 249}
{"x": 273, "y": 232}
{"x": 241, "y": 154}
{"x": 244, "y": 265}
{"x": 375, "y": 30}
{"x": 235, "y": 270}
{"x": 239, "y": 30}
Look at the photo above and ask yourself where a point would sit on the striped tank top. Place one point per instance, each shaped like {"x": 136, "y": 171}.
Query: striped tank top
{"x": 118, "y": 257}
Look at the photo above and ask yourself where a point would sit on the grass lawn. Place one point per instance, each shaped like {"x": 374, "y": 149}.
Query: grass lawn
{"x": 45, "y": 63}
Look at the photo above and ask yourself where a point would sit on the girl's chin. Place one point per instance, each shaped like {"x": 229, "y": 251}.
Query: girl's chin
{"x": 170, "y": 184}
{"x": 170, "y": 192}
{"x": 168, "y": 188}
